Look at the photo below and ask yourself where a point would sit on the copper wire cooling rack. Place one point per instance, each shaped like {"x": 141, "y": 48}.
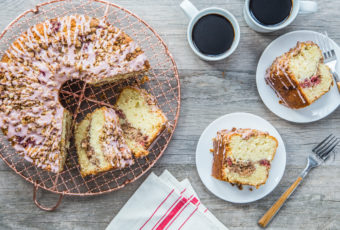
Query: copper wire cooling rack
{"x": 81, "y": 99}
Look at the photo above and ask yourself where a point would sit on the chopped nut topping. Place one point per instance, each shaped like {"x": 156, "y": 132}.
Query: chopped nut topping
{"x": 70, "y": 47}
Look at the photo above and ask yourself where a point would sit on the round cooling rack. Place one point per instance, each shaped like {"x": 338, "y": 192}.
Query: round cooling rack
{"x": 81, "y": 99}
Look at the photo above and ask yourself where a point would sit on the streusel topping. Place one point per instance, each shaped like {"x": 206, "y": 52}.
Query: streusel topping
{"x": 40, "y": 61}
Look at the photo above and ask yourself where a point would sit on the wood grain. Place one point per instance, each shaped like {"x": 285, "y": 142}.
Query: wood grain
{"x": 266, "y": 218}
{"x": 209, "y": 90}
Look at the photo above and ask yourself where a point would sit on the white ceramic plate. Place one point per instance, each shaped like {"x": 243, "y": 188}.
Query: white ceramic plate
{"x": 316, "y": 111}
{"x": 204, "y": 159}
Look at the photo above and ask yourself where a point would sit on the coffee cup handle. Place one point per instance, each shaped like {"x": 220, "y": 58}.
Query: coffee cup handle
{"x": 307, "y": 7}
{"x": 189, "y": 9}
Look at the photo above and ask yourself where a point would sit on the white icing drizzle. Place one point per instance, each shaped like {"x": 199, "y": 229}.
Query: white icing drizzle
{"x": 221, "y": 141}
{"x": 279, "y": 68}
{"x": 41, "y": 60}
{"x": 271, "y": 84}
{"x": 114, "y": 147}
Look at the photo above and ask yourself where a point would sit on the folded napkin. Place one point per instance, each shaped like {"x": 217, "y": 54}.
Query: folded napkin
{"x": 164, "y": 203}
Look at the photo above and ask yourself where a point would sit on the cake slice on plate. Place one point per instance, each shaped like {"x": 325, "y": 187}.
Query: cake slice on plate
{"x": 299, "y": 77}
{"x": 140, "y": 118}
{"x": 100, "y": 143}
{"x": 243, "y": 156}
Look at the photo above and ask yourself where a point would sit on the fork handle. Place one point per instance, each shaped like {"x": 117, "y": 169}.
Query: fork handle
{"x": 337, "y": 80}
{"x": 278, "y": 204}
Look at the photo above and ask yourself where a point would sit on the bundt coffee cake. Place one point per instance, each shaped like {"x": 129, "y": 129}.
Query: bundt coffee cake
{"x": 243, "y": 156}
{"x": 36, "y": 65}
{"x": 100, "y": 143}
{"x": 299, "y": 77}
{"x": 141, "y": 119}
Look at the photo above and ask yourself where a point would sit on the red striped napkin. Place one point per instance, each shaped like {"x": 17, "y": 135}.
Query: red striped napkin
{"x": 164, "y": 203}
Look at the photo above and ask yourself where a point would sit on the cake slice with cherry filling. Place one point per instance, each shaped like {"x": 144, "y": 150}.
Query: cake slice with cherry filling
{"x": 100, "y": 143}
{"x": 243, "y": 156}
{"x": 300, "y": 77}
{"x": 140, "y": 118}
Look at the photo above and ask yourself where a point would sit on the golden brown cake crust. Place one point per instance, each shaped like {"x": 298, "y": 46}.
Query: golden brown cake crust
{"x": 219, "y": 153}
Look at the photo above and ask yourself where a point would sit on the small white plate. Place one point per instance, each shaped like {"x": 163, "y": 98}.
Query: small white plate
{"x": 316, "y": 111}
{"x": 204, "y": 159}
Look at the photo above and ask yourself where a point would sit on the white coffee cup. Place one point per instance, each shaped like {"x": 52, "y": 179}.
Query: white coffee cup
{"x": 194, "y": 15}
{"x": 302, "y": 7}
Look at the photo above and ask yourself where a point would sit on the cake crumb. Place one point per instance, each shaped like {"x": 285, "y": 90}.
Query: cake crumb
{"x": 144, "y": 79}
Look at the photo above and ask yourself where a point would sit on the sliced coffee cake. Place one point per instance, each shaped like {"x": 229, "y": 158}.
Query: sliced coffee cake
{"x": 100, "y": 143}
{"x": 140, "y": 118}
{"x": 243, "y": 156}
{"x": 299, "y": 77}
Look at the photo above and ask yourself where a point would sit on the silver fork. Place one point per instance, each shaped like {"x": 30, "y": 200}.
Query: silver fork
{"x": 319, "y": 154}
{"x": 329, "y": 55}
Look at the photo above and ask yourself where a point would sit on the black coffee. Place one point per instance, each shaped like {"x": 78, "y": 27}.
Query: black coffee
{"x": 270, "y": 12}
{"x": 213, "y": 34}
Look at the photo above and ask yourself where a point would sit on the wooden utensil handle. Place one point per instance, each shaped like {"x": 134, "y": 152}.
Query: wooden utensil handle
{"x": 275, "y": 208}
{"x": 338, "y": 84}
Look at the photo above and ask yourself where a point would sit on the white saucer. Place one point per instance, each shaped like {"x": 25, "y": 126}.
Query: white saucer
{"x": 204, "y": 159}
{"x": 316, "y": 111}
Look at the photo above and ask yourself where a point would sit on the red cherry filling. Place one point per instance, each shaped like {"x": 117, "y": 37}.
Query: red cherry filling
{"x": 265, "y": 162}
{"x": 229, "y": 162}
{"x": 310, "y": 82}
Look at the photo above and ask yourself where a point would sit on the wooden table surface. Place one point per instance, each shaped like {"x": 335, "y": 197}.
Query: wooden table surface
{"x": 209, "y": 90}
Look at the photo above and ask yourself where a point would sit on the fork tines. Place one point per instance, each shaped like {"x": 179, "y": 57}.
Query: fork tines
{"x": 329, "y": 54}
{"x": 325, "y": 147}
{"x": 326, "y": 47}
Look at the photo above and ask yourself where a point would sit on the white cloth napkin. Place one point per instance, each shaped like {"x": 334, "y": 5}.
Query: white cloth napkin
{"x": 164, "y": 203}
